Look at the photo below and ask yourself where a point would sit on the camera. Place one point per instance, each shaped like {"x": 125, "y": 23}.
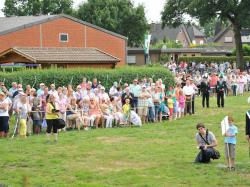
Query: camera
{"x": 201, "y": 147}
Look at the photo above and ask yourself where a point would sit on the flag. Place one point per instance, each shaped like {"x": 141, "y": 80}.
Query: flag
{"x": 248, "y": 123}
{"x": 224, "y": 125}
{"x": 147, "y": 39}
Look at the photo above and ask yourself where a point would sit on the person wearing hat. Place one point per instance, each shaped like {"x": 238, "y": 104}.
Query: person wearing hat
{"x": 220, "y": 90}
{"x": 4, "y": 115}
{"x": 103, "y": 94}
{"x": 113, "y": 90}
{"x": 205, "y": 89}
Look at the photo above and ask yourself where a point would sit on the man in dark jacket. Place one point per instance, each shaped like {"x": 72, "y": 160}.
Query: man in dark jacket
{"x": 205, "y": 89}
{"x": 220, "y": 90}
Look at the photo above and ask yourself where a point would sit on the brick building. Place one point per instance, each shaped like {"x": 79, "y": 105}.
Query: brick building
{"x": 59, "y": 31}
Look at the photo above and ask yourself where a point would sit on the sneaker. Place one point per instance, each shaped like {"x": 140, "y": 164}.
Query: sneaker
{"x": 86, "y": 128}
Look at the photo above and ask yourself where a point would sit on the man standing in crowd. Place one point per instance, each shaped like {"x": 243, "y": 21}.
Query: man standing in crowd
{"x": 220, "y": 90}
{"x": 135, "y": 90}
{"x": 188, "y": 91}
{"x": 193, "y": 96}
{"x": 143, "y": 104}
{"x": 205, "y": 89}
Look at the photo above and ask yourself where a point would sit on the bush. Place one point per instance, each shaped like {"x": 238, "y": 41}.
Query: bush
{"x": 11, "y": 68}
{"x": 210, "y": 59}
{"x": 245, "y": 48}
{"x": 63, "y": 77}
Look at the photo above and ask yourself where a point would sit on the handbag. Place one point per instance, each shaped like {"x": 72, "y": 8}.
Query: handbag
{"x": 44, "y": 124}
{"x": 60, "y": 123}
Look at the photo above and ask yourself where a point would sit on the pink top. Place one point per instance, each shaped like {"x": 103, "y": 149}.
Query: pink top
{"x": 181, "y": 101}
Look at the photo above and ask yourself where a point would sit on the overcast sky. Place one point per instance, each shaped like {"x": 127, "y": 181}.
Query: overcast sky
{"x": 153, "y": 8}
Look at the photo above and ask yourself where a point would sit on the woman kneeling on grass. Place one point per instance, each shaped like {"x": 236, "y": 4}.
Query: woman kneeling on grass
{"x": 51, "y": 117}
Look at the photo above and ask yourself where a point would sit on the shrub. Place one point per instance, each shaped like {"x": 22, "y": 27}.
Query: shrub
{"x": 245, "y": 48}
{"x": 210, "y": 59}
{"x": 63, "y": 77}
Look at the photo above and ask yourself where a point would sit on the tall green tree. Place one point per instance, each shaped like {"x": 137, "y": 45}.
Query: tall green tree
{"x": 214, "y": 26}
{"x": 237, "y": 12}
{"x": 57, "y": 6}
{"x": 10, "y": 8}
{"x": 37, "y": 7}
{"x": 120, "y": 16}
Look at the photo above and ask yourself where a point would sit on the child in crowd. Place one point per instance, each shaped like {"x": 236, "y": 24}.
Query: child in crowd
{"x": 170, "y": 106}
{"x": 151, "y": 107}
{"x": 23, "y": 109}
{"x": 126, "y": 111}
{"x": 181, "y": 106}
{"x": 84, "y": 105}
{"x": 230, "y": 143}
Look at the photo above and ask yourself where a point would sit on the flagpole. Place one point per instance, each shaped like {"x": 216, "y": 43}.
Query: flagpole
{"x": 229, "y": 159}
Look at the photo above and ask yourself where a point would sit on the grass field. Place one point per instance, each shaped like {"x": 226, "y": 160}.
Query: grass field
{"x": 154, "y": 155}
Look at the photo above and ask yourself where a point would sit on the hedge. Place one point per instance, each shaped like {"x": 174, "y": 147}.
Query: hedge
{"x": 63, "y": 77}
{"x": 210, "y": 59}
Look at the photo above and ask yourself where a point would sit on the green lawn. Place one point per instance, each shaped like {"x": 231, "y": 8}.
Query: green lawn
{"x": 154, "y": 155}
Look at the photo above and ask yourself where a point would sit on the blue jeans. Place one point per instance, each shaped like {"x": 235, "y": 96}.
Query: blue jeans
{"x": 157, "y": 109}
{"x": 151, "y": 114}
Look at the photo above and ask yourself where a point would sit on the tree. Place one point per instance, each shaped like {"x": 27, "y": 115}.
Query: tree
{"x": 165, "y": 43}
{"x": 119, "y": 16}
{"x": 57, "y": 6}
{"x": 37, "y": 7}
{"x": 9, "y": 8}
{"x": 237, "y": 12}
{"x": 213, "y": 27}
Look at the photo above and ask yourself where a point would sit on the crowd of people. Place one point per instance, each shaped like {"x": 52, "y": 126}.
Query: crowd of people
{"x": 91, "y": 105}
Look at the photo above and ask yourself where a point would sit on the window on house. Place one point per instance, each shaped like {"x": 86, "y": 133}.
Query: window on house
{"x": 228, "y": 39}
{"x": 193, "y": 54}
{"x": 194, "y": 42}
{"x": 131, "y": 59}
{"x": 245, "y": 39}
{"x": 201, "y": 42}
{"x": 63, "y": 37}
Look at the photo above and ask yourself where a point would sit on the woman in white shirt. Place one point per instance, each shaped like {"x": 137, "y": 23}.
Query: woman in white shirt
{"x": 4, "y": 116}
